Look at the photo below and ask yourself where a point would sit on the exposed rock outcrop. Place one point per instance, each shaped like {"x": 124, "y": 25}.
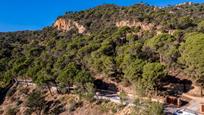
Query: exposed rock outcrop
{"x": 135, "y": 23}
{"x": 67, "y": 25}
{"x": 143, "y": 26}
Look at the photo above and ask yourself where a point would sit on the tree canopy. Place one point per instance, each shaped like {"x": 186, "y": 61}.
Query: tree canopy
{"x": 192, "y": 54}
{"x": 152, "y": 41}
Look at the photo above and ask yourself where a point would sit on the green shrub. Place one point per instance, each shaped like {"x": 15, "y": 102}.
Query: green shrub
{"x": 11, "y": 111}
{"x": 35, "y": 101}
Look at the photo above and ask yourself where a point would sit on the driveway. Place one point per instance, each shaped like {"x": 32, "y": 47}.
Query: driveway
{"x": 193, "y": 105}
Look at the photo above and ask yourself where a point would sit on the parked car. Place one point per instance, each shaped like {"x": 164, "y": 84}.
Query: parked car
{"x": 185, "y": 112}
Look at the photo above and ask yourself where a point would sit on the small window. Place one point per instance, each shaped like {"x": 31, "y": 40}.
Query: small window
{"x": 179, "y": 111}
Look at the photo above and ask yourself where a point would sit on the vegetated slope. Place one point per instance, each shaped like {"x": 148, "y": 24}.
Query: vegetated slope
{"x": 136, "y": 44}
{"x": 27, "y": 100}
{"x": 173, "y": 17}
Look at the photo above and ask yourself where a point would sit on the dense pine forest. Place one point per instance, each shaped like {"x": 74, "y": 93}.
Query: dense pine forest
{"x": 167, "y": 39}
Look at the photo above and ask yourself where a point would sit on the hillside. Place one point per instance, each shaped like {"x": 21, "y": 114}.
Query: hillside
{"x": 140, "y": 47}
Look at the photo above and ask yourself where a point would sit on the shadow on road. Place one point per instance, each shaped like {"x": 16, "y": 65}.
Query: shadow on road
{"x": 101, "y": 85}
{"x": 173, "y": 86}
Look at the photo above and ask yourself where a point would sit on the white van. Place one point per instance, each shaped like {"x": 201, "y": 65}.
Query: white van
{"x": 185, "y": 112}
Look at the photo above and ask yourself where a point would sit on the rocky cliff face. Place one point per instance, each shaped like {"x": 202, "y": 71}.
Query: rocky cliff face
{"x": 67, "y": 25}
{"x": 143, "y": 26}
{"x": 134, "y": 23}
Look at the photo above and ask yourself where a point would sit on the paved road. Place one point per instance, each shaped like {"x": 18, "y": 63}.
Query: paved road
{"x": 114, "y": 97}
{"x": 169, "y": 109}
{"x": 195, "y": 103}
